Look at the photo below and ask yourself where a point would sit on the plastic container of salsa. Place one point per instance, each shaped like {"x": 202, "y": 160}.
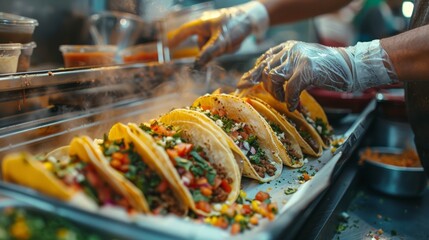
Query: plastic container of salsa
{"x": 140, "y": 53}
{"x": 88, "y": 55}
{"x": 9, "y": 54}
{"x": 16, "y": 29}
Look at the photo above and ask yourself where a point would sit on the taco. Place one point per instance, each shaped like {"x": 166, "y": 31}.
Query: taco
{"x": 309, "y": 140}
{"x": 69, "y": 172}
{"x": 204, "y": 167}
{"x": 247, "y": 133}
{"x": 134, "y": 162}
{"x": 292, "y": 155}
{"x": 316, "y": 117}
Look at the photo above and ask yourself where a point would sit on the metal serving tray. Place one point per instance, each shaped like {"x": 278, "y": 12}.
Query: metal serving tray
{"x": 97, "y": 122}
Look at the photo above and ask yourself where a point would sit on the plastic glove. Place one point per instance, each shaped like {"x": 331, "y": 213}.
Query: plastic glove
{"x": 291, "y": 67}
{"x": 222, "y": 31}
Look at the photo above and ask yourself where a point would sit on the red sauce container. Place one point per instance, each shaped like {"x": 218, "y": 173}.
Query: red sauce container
{"x": 141, "y": 53}
{"x": 88, "y": 55}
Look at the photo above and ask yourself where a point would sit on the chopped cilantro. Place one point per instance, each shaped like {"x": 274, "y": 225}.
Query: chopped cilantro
{"x": 184, "y": 163}
{"x": 275, "y": 127}
{"x": 198, "y": 196}
{"x": 211, "y": 175}
{"x": 289, "y": 191}
{"x": 252, "y": 139}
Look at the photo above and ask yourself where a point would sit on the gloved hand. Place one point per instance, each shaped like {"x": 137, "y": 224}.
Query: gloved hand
{"x": 289, "y": 68}
{"x": 222, "y": 31}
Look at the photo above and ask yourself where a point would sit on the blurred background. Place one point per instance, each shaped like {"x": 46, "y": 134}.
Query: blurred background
{"x": 66, "y": 22}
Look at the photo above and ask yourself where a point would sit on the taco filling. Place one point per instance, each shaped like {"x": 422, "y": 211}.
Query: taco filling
{"x": 207, "y": 182}
{"x": 242, "y": 136}
{"x": 303, "y": 133}
{"x": 321, "y": 127}
{"x": 83, "y": 176}
{"x": 287, "y": 144}
{"x": 123, "y": 158}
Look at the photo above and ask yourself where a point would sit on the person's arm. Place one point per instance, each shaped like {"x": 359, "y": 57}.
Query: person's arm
{"x": 294, "y": 10}
{"x": 409, "y": 53}
{"x": 291, "y": 67}
{"x": 222, "y": 31}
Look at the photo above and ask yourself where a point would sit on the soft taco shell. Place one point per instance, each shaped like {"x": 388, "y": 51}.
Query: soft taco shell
{"x": 24, "y": 169}
{"x": 316, "y": 113}
{"x": 132, "y": 134}
{"x": 239, "y": 110}
{"x": 216, "y": 151}
{"x": 273, "y": 116}
{"x": 316, "y": 151}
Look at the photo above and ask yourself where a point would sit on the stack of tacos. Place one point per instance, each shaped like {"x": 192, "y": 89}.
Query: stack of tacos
{"x": 159, "y": 168}
{"x": 247, "y": 134}
{"x": 188, "y": 159}
{"x": 308, "y": 126}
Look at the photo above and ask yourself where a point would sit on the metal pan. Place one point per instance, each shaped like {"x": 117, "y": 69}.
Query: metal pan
{"x": 393, "y": 180}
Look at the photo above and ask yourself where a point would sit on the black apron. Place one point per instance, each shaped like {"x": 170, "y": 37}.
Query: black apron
{"x": 417, "y": 94}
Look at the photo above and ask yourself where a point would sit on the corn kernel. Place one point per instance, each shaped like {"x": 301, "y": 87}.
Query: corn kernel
{"x": 243, "y": 194}
{"x": 207, "y": 220}
{"x": 238, "y": 218}
{"x": 48, "y": 166}
{"x": 214, "y": 221}
{"x": 255, "y": 205}
{"x": 224, "y": 209}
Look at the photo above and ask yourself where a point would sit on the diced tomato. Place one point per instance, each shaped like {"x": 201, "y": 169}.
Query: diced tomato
{"x": 115, "y": 163}
{"x": 254, "y": 220}
{"x": 235, "y": 228}
{"x": 244, "y": 135}
{"x": 124, "y": 168}
{"x": 222, "y": 112}
{"x": 203, "y": 206}
{"x": 271, "y": 216}
{"x": 162, "y": 187}
{"x": 104, "y": 194}
{"x": 172, "y": 153}
{"x": 206, "y": 191}
{"x": 225, "y": 186}
{"x": 183, "y": 149}
{"x": 246, "y": 209}
{"x": 92, "y": 178}
{"x": 162, "y": 130}
{"x": 222, "y": 223}
{"x": 306, "y": 176}
{"x": 125, "y": 159}
{"x": 235, "y": 134}
{"x": 205, "y": 107}
{"x": 272, "y": 207}
{"x": 117, "y": 155}
{"x": 214, "y": 111}
{"x": 247, "y": 128}
{"x": 262, "y": 196}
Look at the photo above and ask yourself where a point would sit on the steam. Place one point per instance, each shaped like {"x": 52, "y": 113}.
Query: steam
{"x": 130, "y": 95}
